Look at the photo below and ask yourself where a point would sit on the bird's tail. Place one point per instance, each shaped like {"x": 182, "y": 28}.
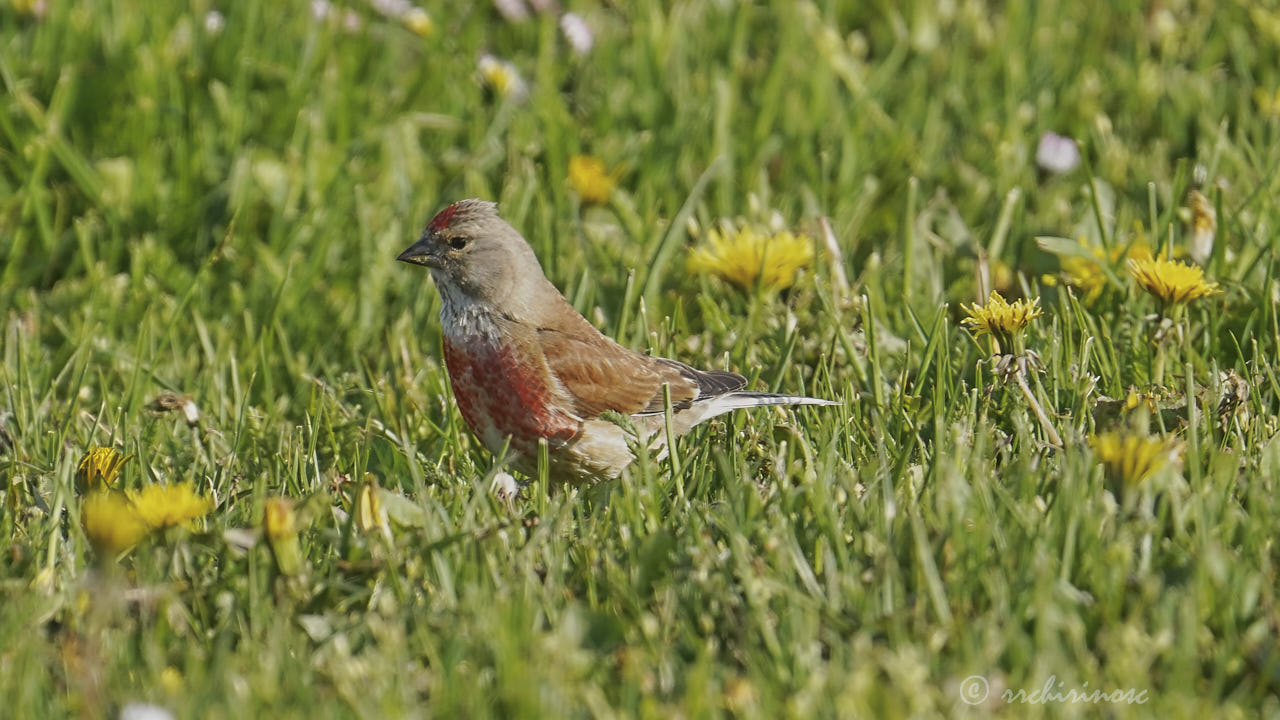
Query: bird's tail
{"x": 731, "y": 401}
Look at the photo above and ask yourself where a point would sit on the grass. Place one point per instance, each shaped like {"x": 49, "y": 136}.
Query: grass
{"x": 214, "y": 211}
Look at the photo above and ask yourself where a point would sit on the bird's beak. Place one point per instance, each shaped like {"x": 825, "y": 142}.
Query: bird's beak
{"x": 422, "y": 252}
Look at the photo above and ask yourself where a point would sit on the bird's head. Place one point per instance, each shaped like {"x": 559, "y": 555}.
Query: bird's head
{"x": 470, "y": 250}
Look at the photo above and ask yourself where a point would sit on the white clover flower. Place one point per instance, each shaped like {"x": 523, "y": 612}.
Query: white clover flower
{"x": 214, "y": 22}
{"x": 1057, "y": 154}
{"x": 392, "y": 8}
{"x": 512, "y": 10}
{"x": 321, "y": 10}
{"x": 577, "y": 33}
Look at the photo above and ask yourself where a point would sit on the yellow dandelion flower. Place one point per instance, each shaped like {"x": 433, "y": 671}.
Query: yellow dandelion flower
{"x": 165, "y": 506}
{"x": 99, "y": 468}
{"x": 1172, "y": 282}
{"x": 590, "y": 179}
{"x": 1130, "y": 459}
{"x": 111, "y": 522}
{"x": 1003, "y": 321}
{"x": 503, "y": 77}
{"x": 1086, "y": 272}
{"x": 748, "y": 256}
{"x": 171, "y": 680}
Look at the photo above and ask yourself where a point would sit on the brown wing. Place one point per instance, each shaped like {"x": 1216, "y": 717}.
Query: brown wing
{"x": 601, "y": 375}
{"x": 710, "y": 382}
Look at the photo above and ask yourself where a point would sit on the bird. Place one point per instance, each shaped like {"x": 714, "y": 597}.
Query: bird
{"x": 527, "y": 368}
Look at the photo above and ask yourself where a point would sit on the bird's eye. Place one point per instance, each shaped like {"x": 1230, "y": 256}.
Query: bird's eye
{"x": 457, "y": 243}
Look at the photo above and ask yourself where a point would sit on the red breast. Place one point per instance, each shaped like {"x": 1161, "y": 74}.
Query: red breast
{"x": 504, "y": 393}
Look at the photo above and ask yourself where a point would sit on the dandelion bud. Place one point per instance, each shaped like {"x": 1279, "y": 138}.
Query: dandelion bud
{"x": 1204, "y": 224}
{"x": 281, "y": 525}
{"x": 692, "y": 227}
{"x": 418, "y": 22}
{"x": 99, "y": 468}
{"x": 370, "y": 514}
